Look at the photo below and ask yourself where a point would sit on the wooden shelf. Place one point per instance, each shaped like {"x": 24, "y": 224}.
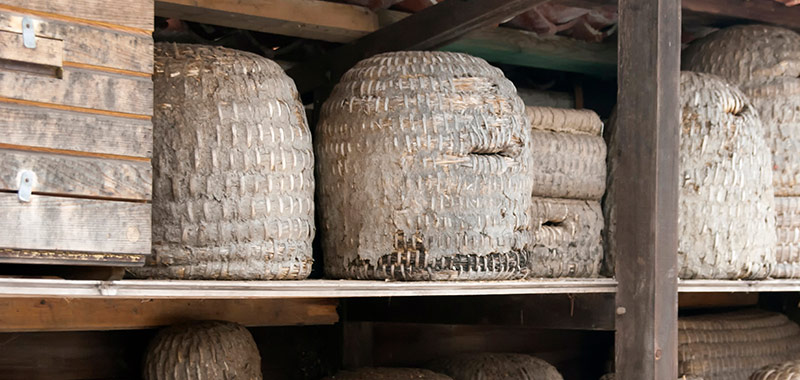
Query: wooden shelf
{"x": 147, "y": 289}
{"x": 738, "y": 286}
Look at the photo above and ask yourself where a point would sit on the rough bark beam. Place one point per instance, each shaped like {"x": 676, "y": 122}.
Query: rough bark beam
{"x": 429, "y": 29}
{"x": 648, "y": 118}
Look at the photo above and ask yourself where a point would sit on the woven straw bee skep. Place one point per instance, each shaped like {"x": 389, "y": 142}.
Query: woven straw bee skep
{"x": 233, "y": 168}
{"x": 567, "y": 238}
{"x": 726, "y": 208}
{"x": 208, "y": 350}
{"x": 730, "y": 346}
{"x": 764, "y": 61}
{"x": 388, "y": 374}
{"x": 784, "y": 371}
{"x": 569, "y": 153}
{"x": 496, "y": 367}
{"x": 423, "y": 166}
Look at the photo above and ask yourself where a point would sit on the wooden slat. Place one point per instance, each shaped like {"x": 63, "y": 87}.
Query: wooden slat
{"x": 646, "y": 195}
{"x": 48, "y": 52}
{"x": 561, "y": 311}
{"x": 765, "y": 11}
{"x": 524, "y": 48}
{"x": 428, "y": 29}
{"x": 60, "y": 314}
{"x": 20, "y": 287}
{"x": 91, "y": 45}
{"x": 82, "y": 132}
{"x": 311, "y": 19}
{"x": 77, "y": 176}
{"x": 72, "y": 224}
{"x": 81, "y": 88}
{"x": 131, "y": 13}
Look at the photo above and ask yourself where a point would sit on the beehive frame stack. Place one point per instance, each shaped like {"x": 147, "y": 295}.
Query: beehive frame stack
{"x": 76, "y": 106}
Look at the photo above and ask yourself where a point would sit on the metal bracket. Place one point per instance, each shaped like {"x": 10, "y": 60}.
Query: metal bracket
{"x": 28, "y": 35}
{"x": 25, "y": 186}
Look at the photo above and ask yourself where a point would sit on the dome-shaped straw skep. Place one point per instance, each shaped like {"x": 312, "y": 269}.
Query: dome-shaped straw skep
{"x": 233, "y": 194}
{"x": 388, "y": 374}
{"x": 726, "y": 220}
{"x": 764, "y": 61}
{"x": 567, "y": 238}
{"x": 496, "y": 367}
{"x": 423, "y": 164}
{"x": 730, "y": 346}
{"x": 784, "y": 371}
{"x": 569, "y": 154}
{"x": 208, "y": 350}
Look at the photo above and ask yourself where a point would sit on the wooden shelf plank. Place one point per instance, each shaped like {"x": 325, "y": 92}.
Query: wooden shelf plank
{"x": 741, "y": 286}
{"x": 151, "y": 289}
{"x": 89, "y": 314}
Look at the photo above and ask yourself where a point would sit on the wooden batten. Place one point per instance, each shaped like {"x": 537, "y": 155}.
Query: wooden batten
{"x": 74, "y": 224}
{"x": 132, "y": 14}
{"x": 88, "y": 177}
{"x": 62, "y": 314}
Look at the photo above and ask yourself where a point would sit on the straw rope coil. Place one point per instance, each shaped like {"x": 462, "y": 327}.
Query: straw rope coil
{"x": 569, "y": 154}
{"x": 496, "y": 367}
{"x": 726, "y": 222}
{"x": 730, "y": 346}
{"x": 567, "y": 238}
{"x": 233, "y": 168}
{"x": 423, "y": 167}
{"x": 388, "y": 374}
{"x": 764, "y": 61}
{"x": 784, "y": 371}
{"x": 208, "y": 350}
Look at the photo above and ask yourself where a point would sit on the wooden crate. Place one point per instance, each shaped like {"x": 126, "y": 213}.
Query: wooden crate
{"x": 75, "y": 117}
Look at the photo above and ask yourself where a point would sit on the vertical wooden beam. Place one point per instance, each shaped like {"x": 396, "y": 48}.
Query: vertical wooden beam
{"x": 648, "y": 118}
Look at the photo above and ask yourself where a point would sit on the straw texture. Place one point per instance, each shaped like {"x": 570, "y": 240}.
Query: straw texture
{"x": 726, "y": 207}
{"x": 787, "y": 212}
{"x": 388, "y": 374}
{"x": 764, "y": 61}
{"x": 496, "y": 367}
{"x": 569, "y": 154}
{"x": 424, "y": 171}
{"x": 567, "y": 238}
{"x": 784, "y": 371}
{"x": 730, "y": 346}
{"x": 208, "y": 350}
{"x": 233, "y": 168}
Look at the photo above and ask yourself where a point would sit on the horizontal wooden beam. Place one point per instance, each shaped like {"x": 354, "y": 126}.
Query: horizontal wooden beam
{"x": 765, "y": 11}
{"x": 561, "y": 311}
{"x": 312, "y": 19}
{"x": 146, "y": 289}
{"x": 64, "y": 314}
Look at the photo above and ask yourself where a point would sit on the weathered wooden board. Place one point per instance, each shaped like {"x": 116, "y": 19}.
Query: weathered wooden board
{"x": 48, "y": 52}
{"x": 715, "y": 300}
{"x": 75, "y": 131}
{"x": 61, "y": 314}
{"x": 306, "y": 19}
{"x": 82, "y": 88}
{"x": 88, "y": 44}
{"x": 72, "y": 224}
{"x": 646, "y": 191}
{"x": 61, "y": 174}
{"x": 130, "y": 13}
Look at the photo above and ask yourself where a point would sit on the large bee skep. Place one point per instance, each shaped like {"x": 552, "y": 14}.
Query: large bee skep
{"x": 423, "y": 166}
{"x": 726, "y": 220}
{"x": 489, "y": 366}
{"x": 233, "y": 194}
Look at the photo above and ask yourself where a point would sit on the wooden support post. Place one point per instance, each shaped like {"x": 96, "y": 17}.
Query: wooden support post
{"x": 648, "y": 118}
{"x": 428, "y": 29}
